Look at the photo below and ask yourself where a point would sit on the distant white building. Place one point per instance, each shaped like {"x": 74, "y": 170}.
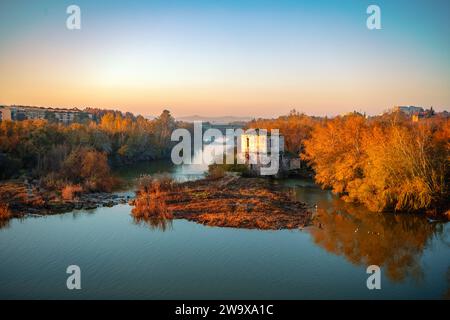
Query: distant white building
{"x": 66, "y": 116}
{"x": 253, "y": 142}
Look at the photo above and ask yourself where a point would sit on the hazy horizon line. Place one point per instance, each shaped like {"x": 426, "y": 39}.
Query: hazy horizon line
{"x": 196, "y": 114}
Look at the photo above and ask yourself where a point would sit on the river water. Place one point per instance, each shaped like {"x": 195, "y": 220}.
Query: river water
{"x": 120, "y": 258}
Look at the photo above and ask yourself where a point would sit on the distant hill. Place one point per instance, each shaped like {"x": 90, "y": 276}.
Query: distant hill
{"x": 222, "y": 119}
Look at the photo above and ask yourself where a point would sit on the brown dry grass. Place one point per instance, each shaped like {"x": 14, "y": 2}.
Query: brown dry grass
{"x": 151, "y": 197}
{"x": 5, "y": 213}
{"x": 237, "y": 202}
{"x": 13, "y": 191}
{"x": 215, "y": 172}
{"x": 70, "y": 191}
{"x": 18, "y": 197}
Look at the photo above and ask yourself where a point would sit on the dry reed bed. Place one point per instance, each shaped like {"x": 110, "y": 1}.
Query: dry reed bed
{"x": 230, "y": 201}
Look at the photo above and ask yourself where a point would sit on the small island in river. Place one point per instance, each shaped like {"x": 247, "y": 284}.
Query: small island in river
{"x": 230, "y": 201}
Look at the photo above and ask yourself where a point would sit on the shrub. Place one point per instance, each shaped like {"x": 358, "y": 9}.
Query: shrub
{"x": 53, "y": 181}
{"x": 90, "y": 168}
{"x": 148, "y": 205}
{"x": 158, "y": 182}
{"x": 386, "y": 165}
{"x": 215, "y": 172}
{"x": 70, "y": 191}
{"x": 5, "y": 213}
{"x": 151, "y": 197}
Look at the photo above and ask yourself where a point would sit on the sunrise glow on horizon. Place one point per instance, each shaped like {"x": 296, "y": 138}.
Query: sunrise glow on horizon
{"x": 239, "y": 58}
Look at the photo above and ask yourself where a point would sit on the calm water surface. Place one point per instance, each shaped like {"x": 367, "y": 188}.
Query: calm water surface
{"x": 123, "y": 259}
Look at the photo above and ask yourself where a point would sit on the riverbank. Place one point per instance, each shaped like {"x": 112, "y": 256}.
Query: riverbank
{"x": 23, "y": 198}
{"x": 233, "y": 201}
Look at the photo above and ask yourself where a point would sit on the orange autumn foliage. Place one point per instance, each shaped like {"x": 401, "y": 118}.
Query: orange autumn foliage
{"x": 335, "y": 152}
{"x": 5, "y": 212}
{"x": 295, "y": 127}
{"x": 151, "y": 197}
{"x": 70, "y": 191}
{"x": 386, "y": 164}
{"x": 394, "y": 242}
{"x": 90, "y": 168}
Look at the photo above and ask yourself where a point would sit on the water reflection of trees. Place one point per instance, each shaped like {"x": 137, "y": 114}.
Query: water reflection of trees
{"x": 395, "y": 242}
{"x": 4, "y": 223}
{"x": 150, "y": 205}
{"x": 154, "y": 223}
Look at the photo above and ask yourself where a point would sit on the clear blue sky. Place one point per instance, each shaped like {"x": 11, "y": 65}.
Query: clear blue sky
{"x": 249, "y": 58}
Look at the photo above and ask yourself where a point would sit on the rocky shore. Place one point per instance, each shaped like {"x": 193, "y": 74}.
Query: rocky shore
{"x": 25, "y": 199}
